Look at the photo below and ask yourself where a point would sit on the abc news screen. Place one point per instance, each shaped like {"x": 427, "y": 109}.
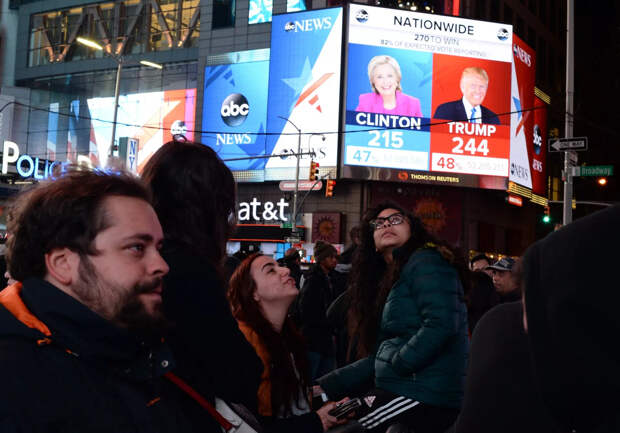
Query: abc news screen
{"x": 243, "y": 117}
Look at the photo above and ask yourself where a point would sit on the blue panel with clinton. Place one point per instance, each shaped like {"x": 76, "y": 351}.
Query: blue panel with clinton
{"x": 234, "y": 112}
{"x": 396, "y": 135}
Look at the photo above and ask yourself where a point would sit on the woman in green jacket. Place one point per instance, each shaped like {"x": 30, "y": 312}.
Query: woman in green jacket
{"x": 408, "y": 326}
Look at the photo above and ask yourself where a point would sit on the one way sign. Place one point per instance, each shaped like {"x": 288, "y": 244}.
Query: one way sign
{"x": 565, "y": 144}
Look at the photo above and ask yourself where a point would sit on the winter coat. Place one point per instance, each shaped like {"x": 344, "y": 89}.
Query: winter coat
{"x": 64, "y": 368}
{"x": 210, "y": 350}
{"x": 422, "y": 344}
{"x": 315, "y": 297}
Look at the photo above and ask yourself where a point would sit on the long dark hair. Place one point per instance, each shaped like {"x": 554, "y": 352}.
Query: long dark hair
{"x": 194, "y": 195}
{"x": 371, "y": 278}
{"x": 285, "y": 384}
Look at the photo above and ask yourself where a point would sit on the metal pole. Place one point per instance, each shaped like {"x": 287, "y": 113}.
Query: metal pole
{"x": 294, "y": 216}
{"x": 294, "y": 228}
{"x": 116, "y": 91}
{"x": 567, "y": 214}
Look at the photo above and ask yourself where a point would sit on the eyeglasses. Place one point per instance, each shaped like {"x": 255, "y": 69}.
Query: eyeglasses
{"x": 393, "y": 220}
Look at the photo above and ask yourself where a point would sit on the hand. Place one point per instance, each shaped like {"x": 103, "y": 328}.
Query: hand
{"x": 329, "y": 421}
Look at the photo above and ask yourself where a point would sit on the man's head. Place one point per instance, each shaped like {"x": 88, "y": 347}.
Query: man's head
{"x": 480, "y": 262}
{"x": 504, "y": 278}
{"x": 96, "y": 237}
{"x": 325, "y": 255}
{"x": 474, "y": 85}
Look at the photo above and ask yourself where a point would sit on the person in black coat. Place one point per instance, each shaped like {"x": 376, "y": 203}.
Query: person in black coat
{"x": 194, "y": 197}
{"x": 316, "y": 295}
{"x": 81, "y": 346}
{"x": 571, "y": 303}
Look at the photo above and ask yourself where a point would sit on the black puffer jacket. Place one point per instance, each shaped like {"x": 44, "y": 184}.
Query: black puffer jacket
{"x": 69, "y": 370}
{"x": 572, "y": 299}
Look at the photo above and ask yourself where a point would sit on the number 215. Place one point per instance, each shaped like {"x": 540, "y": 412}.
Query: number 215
{"x": 470, "y": 146}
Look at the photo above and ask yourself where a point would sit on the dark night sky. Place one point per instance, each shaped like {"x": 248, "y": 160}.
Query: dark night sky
{"x": 597, "y": 95}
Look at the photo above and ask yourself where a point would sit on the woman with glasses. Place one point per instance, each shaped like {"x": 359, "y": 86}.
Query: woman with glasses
{"x": 408, "y": 326}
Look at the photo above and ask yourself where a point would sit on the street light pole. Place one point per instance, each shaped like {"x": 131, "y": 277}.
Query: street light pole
{"x": 294, "y": 217}
{"x": 116, "y": 94}
{"x": 567, "y": 214}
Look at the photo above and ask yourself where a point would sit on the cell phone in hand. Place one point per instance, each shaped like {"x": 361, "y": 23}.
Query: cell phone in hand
{"x": 341, "y": 410}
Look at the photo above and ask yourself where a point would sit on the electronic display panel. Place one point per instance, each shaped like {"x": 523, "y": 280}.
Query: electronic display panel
{"x": 234, "y": 114}
{"x": 527, "y": 152}
{"x": 304, "y": 90}
{"x": 150, "y": 118}
{"x": 261, "y": 10}
{"x": 412, "y": 82}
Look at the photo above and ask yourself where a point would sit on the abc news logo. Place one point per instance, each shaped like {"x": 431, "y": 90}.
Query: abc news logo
{"x": 503, "y": 34}
{"x": 235, "y": 109}
{"x": 361, "y": 16}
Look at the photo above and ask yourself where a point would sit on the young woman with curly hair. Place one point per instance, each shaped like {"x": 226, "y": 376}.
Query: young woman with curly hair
{"x": 408, "y": 326}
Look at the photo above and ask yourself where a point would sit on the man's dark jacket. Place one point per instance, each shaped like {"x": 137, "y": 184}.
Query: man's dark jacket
{"x": 455, "y": 111}
{"x": 64, "y": 368}
{"x": 315, "y": 297}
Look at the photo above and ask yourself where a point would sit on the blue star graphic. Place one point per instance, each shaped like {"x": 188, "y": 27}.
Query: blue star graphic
{"x": 518, "y": 105}
{"x": 298, "y": 83}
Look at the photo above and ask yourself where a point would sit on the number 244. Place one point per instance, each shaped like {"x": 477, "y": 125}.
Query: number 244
{"x": 470, "y": 146}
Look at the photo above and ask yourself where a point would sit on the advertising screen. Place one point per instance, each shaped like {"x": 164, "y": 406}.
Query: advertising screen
{"x": 527, "y": 152}
{"x": 427, "y": 98}
{"x": 261, "y": 10}
{"x": 234, "y": 113}
{"x": 304, "y": 90}
{"x": 150, "y": 118}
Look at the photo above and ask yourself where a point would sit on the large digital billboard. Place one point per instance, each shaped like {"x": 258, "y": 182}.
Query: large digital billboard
{"x": 427, "y": 98}
{"x": 527, "y": 150}
{"x": 234, "y": 114}
{"x": 150, "y": 118}
{"x": 304, "y": 90}
{"x": 261, "y": 10}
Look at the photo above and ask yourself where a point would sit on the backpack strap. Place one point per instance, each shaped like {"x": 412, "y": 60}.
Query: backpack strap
{"x": 226, "y": 425}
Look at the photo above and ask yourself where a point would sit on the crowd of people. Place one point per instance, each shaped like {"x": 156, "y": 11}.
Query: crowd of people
{"x": 123, "y": 313}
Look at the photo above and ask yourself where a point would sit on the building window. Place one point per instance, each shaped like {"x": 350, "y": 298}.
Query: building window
{"x": 127, "y": 27}
{"x": 223, "y": 14}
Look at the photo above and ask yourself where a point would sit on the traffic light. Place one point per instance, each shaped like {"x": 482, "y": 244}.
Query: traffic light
{"x": 547, "y": 216}
{"x": 314, "y": 170}
{"x": 329, "y": 188}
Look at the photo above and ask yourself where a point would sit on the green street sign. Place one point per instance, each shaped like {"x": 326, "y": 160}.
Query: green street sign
{"x": 596, "y": 170}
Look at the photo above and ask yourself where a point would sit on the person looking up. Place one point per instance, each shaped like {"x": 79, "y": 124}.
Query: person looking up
{"x": 260, "y": 294}
{"x": 407, "y": 323}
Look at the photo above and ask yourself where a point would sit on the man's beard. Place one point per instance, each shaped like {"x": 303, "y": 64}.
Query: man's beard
{"x": 120, "y": 305}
